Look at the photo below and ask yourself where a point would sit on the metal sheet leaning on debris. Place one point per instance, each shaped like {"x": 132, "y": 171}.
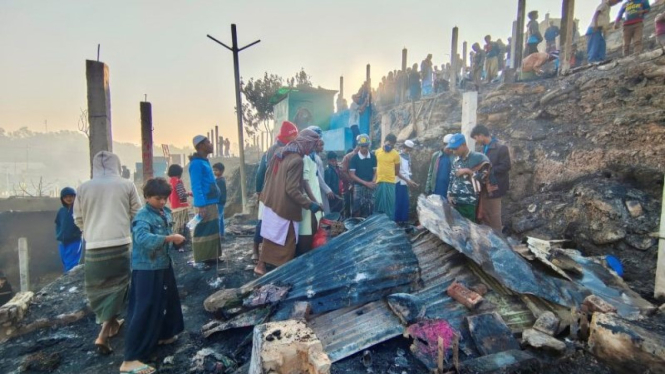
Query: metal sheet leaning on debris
{"x": 495, "y": 256}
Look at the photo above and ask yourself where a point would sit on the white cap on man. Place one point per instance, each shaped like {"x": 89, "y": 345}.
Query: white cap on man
{"x": 446, "y": 139}
{"x": 198, "y": 139}
{"x": 409, "y": 144}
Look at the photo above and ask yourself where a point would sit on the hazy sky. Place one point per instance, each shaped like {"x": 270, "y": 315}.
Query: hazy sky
{"x": 159, "y": 48}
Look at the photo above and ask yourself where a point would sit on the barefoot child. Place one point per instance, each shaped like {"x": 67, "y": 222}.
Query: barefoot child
{"x": 66, "y": 231}
{"x": 154, "y": 315}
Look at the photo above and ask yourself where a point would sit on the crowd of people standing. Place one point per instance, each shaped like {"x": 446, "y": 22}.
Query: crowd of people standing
{"x": 128, "y": 267}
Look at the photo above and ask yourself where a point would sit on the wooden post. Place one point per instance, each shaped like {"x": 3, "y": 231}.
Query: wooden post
{"x": 212, "y": 140}
{"x": 146, "y": 140}
{"x": 24, "y": 264}
{"x": 404, "y": 77}
{"x": 100, "y": 134}
{"x": 567, "y": 23}
{"x": 519, "y": 37}
{"x": 217, "y": 140}
{"x": 453, "y": 61}
{"x": 660, "y": 269}
{"x": 404, "y": 55}
{"x": 340, "y": 97}
{"x": 465, "y": 52}
{"x": 368, "y": 79}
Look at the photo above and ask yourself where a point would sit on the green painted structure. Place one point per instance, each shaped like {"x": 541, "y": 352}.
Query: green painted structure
{"x": 304, "y": 106}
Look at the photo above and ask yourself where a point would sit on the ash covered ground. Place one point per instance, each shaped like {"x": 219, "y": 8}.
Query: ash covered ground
{"x": 70, "y": 349}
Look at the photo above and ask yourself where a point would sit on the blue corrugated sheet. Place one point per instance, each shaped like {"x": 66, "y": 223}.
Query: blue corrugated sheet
{"x": 496, "y": 258}
{"x": 360, "y": 266}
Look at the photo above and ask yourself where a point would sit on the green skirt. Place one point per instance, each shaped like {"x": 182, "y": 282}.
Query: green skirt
{"x": 384, "y": 199}
{"x": 205, "y": 240}
{"x": 107, "y": 272}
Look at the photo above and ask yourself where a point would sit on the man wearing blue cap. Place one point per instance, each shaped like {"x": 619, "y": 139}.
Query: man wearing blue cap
{"x": 462, "y": 192}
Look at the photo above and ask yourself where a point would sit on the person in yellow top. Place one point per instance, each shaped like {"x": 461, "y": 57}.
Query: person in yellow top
{"x": 387, "y": 168}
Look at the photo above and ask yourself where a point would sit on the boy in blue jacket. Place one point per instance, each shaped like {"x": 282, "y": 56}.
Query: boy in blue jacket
{"x": 66, "y": 231}
{"x": 154, "y": 314}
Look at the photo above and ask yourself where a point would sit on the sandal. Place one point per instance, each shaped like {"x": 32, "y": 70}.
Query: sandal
{"x": 145, "y": 369}
{"x": 255, "y": 259}
{"x": 104, "y": 348}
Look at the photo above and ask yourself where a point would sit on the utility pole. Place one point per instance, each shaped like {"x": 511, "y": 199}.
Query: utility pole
{"x": 236, "y": 67}
{"x": 519, "y": 35}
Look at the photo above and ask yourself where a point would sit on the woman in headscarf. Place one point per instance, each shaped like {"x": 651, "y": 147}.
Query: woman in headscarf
{"x": 284, "y": 198}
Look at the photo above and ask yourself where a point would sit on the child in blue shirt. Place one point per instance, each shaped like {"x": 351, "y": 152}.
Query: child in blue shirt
{"x": 154, "y": 314}
{"x": 66, "y": 231}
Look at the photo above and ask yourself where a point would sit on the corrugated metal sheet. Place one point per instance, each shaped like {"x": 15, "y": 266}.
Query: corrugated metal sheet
{"x": 348, "y": 331}
{"x": 494, "y": 255}
{"x": 612, "y": 289}
{"x": 441, "y": 265}
{"x": 494, "y": 260}
{"x": 360, "y": 266}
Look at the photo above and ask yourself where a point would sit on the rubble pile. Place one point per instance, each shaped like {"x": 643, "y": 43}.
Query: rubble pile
{"x": 587, "y": 155}
{"x": 462, "y": 297}
{"x": 472, "y": 304}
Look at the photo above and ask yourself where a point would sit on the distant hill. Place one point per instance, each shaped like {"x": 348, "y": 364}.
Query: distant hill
{"x": 59, "y": 158}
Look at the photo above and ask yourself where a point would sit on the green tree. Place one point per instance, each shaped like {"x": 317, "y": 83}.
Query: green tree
{"x": 258, "y": 93}
{"x": 301, "y": 80}
{"x": 259, "y": 115}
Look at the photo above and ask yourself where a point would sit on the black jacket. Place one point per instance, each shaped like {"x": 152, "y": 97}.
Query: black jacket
{"x": 499, "y": 157}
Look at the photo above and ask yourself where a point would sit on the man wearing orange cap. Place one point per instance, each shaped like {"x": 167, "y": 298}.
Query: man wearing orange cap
{"x": 287, "y": 133}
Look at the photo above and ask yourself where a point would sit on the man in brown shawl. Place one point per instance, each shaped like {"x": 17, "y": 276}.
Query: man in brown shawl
{"x": 283, "y": 196}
